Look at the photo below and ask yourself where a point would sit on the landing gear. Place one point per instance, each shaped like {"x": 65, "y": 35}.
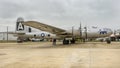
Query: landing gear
{"x": 108, "y": 41}
{"x": 69, "y": 41}
{"x": 19, "y": 40}
{"x": 65, "y": 41}
{"x": 72, "y": 41}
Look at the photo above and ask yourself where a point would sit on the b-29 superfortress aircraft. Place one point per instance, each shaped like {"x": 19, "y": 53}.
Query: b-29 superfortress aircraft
{"x": 68, "y": 36}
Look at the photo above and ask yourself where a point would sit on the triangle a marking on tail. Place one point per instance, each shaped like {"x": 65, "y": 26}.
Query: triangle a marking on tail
{"x": 20, "y": 26}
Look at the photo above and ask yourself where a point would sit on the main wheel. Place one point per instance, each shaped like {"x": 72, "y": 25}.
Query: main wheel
{"x": 72, "y": 41}
{"x": 65, "y": 41}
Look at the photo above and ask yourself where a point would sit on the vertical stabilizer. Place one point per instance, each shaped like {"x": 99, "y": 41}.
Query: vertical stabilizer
{"x": 20, "y": 28}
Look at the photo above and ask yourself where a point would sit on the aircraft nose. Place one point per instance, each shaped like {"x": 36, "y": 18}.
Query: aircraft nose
{"x": 108, "y": 30}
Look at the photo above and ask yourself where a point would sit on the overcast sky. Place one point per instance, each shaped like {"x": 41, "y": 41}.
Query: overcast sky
{"x": 62, "y": 13}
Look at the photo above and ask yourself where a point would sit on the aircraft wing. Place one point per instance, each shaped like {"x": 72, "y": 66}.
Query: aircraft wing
{"x": 44, "y": 27}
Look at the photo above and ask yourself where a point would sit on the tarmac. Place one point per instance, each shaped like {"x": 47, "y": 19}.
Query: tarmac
{"x": 45, "y": 55}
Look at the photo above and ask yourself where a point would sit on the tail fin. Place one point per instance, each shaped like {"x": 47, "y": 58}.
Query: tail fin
{"x": 19, "y": 25}
{"x": 20, "y": 28}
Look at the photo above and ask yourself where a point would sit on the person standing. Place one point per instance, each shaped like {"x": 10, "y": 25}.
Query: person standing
{"x": 54, "y": 41}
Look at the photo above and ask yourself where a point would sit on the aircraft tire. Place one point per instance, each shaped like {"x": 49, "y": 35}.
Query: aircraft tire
{"x": 72, "y": 41}
{"x": 65, "y": 41}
